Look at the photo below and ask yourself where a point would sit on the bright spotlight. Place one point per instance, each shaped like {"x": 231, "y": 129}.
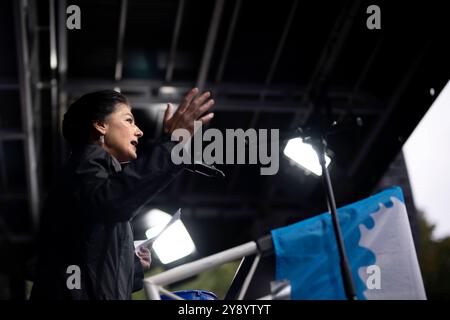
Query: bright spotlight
{"x": 174, "y": 243}
{"x": 304, "y": 155}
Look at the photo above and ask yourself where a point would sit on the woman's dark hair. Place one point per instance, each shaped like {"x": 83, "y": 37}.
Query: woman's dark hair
{"x": 77, "y": 126}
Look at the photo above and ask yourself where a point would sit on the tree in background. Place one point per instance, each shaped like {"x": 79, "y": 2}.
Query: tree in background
{"x": 434, "y": 259}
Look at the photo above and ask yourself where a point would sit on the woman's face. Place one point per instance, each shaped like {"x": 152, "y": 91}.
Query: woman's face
{"x": 121, "y": 134}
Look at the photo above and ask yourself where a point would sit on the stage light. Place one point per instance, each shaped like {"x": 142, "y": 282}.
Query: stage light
{"x": 168, "y": 90}
{"x": 174, "y": 243}
{"x": 304, "y": 155}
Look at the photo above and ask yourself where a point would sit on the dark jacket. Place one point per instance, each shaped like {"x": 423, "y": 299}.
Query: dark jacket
{"x": 86, "y": 222}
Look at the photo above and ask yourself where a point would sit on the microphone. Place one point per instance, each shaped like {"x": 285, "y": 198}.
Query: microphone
{"x": 207, "y": 170}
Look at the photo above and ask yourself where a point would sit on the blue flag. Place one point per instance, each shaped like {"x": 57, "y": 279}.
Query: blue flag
{"x": 379, "y": 247}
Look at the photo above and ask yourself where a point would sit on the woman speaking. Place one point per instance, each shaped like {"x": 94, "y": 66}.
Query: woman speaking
{"x": 86, "y": 246}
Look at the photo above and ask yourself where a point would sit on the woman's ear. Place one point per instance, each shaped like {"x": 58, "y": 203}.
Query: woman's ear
{"x": 100, "y": 127}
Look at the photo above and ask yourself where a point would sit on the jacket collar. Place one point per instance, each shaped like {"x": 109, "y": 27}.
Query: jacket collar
{"x": 94, "y": 151}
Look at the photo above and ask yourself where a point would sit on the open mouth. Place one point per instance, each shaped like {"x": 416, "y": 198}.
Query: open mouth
{"x": 134, "y": 143}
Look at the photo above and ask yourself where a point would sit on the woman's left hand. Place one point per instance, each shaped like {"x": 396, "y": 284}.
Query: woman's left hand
{"x": 145, "y": 258}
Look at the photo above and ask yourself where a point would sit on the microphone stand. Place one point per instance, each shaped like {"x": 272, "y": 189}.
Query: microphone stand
{"x": 319, "y": 142}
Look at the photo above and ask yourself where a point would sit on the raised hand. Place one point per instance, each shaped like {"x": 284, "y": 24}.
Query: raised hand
{"x": 193, "y": 107}
{"x": 145, "y": 258}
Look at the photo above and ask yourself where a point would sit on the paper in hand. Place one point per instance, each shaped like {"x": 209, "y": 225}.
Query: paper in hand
{"x": 149, "y": 241}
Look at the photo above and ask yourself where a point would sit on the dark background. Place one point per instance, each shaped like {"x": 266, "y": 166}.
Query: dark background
{"x": 273, "y": 65}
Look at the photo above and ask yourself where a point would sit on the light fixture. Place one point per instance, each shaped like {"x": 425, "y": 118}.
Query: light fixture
{"x": 174, "y": 243}
{"x": 304, "y": 155}
{"x": 168, "y": 90}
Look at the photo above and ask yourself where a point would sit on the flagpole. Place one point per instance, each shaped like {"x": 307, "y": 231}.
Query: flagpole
{"x": 321, "y": 144}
